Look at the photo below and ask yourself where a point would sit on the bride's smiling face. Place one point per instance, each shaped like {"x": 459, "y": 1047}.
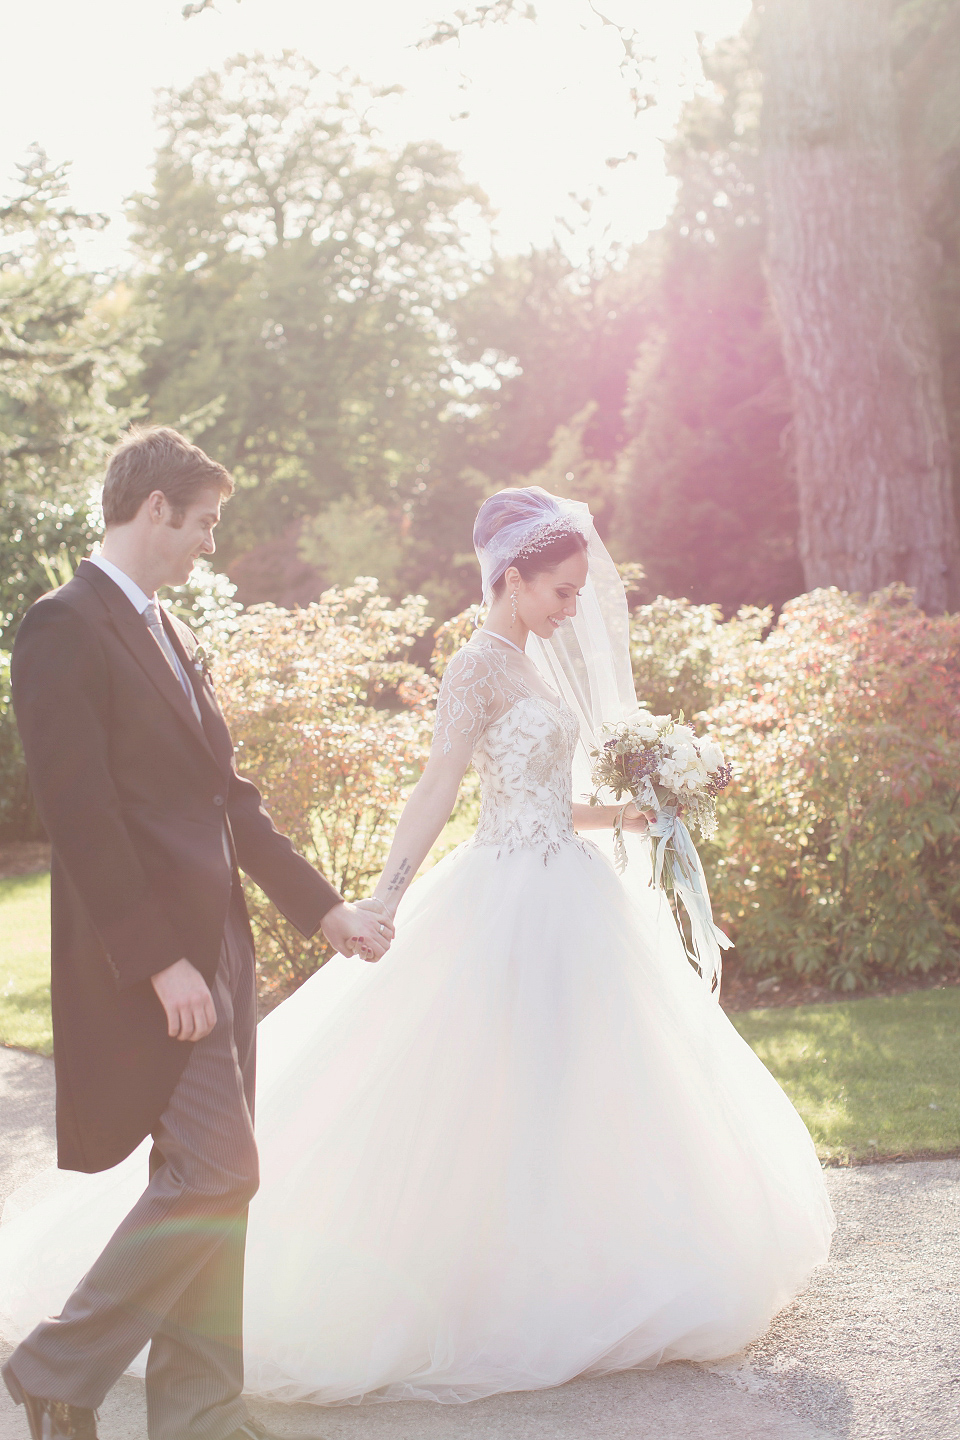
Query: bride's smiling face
{"x": 548, "y": 599}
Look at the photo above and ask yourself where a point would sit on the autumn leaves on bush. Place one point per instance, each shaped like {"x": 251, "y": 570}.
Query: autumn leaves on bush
{"x": 839, "y": 841}
{"x": 837, "y": 853}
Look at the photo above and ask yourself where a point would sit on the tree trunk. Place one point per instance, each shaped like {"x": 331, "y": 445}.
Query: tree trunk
{"x": 846, "y": 264}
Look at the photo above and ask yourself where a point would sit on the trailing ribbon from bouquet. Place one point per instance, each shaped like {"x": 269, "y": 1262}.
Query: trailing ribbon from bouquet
{"x": 675, "y": 860}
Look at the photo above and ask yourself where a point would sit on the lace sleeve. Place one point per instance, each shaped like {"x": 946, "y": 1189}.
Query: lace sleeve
{"x": 471, "y": 696}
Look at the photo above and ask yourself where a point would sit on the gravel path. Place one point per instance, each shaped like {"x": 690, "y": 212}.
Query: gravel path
{"x": 871, "y": 1351}
{"x": 26, "y": 1118}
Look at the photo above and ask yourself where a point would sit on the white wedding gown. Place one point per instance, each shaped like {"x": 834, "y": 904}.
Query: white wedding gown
{"x": 525, "y": 1146}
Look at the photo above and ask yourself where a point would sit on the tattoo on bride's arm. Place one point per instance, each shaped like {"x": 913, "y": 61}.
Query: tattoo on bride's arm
{"x": 400, "y": 878}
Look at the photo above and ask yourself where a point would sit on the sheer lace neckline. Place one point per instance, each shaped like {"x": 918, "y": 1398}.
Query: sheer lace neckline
{"x": 493, "y": 635}
{"x": 487, "y": 637}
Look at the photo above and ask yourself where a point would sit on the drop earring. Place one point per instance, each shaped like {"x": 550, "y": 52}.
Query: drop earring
{"x": 513, "y": 609}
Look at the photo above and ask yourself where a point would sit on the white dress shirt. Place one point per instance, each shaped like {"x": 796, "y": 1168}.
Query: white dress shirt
{"x": 130, "y": 588}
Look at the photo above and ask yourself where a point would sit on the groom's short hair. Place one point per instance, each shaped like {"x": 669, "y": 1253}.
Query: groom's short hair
{"x": 157, "y": 458}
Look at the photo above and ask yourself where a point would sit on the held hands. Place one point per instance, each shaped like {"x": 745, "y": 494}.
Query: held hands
{"x": 365, "y": 929}
{"x": 382, "y": 918}
{"x": 186, "y": 998}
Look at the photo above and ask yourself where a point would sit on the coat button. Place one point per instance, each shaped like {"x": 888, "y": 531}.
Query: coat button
{"x": 218, "y": 799}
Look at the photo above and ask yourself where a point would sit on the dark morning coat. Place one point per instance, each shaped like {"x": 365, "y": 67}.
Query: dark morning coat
{"x": 133, "y": 794}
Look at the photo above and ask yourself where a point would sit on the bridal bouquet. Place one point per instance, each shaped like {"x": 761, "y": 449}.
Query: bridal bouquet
{"x": 662, "y": 765}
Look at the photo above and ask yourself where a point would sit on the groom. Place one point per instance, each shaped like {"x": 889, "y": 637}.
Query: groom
{"x": 152, "y": 975}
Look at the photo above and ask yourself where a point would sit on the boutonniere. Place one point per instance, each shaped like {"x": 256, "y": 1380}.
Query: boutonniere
{"x": 201, "y": 663}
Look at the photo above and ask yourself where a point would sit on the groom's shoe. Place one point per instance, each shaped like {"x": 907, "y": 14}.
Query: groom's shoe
{"x": 52, "y": 1419}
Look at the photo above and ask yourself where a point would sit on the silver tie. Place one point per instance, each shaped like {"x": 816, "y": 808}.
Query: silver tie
{"x": 152, "y": 616}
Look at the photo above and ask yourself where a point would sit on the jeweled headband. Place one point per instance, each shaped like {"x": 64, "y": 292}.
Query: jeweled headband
{"x": 514, "y": 524}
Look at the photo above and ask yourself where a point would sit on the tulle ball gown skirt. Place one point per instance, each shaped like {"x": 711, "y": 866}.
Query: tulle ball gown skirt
{"x": 523, "y": 1147}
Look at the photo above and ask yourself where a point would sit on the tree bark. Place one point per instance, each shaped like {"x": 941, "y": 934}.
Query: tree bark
{"x": 846, "y": 268}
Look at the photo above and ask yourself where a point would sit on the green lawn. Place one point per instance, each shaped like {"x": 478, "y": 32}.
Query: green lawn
{"x": 879, "y": 1076}
{"x": 870, "y": 1077}
{"x": 25, "y": 963}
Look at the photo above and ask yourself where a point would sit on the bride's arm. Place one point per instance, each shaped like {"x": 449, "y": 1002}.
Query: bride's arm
{"x": 601, "y": 817}
{"x": 470, "y": 696}
{"x": 424, "y": 816}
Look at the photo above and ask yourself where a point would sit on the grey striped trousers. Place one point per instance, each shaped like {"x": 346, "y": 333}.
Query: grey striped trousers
{"x": 172, "y": 1274}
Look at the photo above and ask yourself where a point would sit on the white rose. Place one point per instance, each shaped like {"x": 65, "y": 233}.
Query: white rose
{"x": 669, "y": 774}
{"x": 645, "y": 723}
{"x": 711, "y": 755}
{"x": 684, "y": 754}
{"x": 683, "y": 735}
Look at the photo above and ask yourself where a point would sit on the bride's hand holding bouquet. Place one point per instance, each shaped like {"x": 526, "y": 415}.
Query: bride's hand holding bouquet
{"x": 631, "y": 819}
{"x": 669, "y": 773}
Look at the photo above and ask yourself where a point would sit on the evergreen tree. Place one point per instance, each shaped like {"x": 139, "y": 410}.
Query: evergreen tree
{"x": 67, "y": 345}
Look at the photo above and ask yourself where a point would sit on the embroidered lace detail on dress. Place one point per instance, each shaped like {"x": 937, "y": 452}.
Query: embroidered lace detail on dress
{"x": 521, "y": 744}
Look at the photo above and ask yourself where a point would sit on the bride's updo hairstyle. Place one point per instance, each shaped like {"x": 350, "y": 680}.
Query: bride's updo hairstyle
{"x": 528, "y": 528}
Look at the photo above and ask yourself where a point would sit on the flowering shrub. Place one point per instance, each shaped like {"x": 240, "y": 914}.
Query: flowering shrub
{"x": 679, "y": 651}
{"x": 452, "y": 635}
{"x": 333, "y": 724}
{"x": 838, "y": 850}
{"x": 207, "y": 603}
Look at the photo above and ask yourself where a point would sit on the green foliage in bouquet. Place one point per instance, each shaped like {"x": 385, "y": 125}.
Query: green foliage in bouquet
{"x": 838, "y": 855}
{"x": 333, "y": 723}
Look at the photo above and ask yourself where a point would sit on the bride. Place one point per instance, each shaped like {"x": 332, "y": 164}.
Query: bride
{"x": 528, "y": 1144}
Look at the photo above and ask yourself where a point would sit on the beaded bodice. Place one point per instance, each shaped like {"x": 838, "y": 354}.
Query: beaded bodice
{"x": 521, "y": 743}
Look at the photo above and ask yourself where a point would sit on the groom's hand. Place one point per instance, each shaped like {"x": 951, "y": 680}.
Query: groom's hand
{"x": 186, "y": 998}
{"x": 357, "y": 930}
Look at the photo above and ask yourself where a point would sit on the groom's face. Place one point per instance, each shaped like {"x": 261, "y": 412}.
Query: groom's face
{"x": 184, "y": 535}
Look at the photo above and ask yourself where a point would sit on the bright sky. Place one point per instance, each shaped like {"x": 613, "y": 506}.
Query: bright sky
{"x": 535, "y": 110}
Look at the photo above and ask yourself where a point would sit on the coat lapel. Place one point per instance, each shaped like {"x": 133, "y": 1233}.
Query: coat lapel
{"x": 214, "y": 725}
{"x": 132, "y": 629}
